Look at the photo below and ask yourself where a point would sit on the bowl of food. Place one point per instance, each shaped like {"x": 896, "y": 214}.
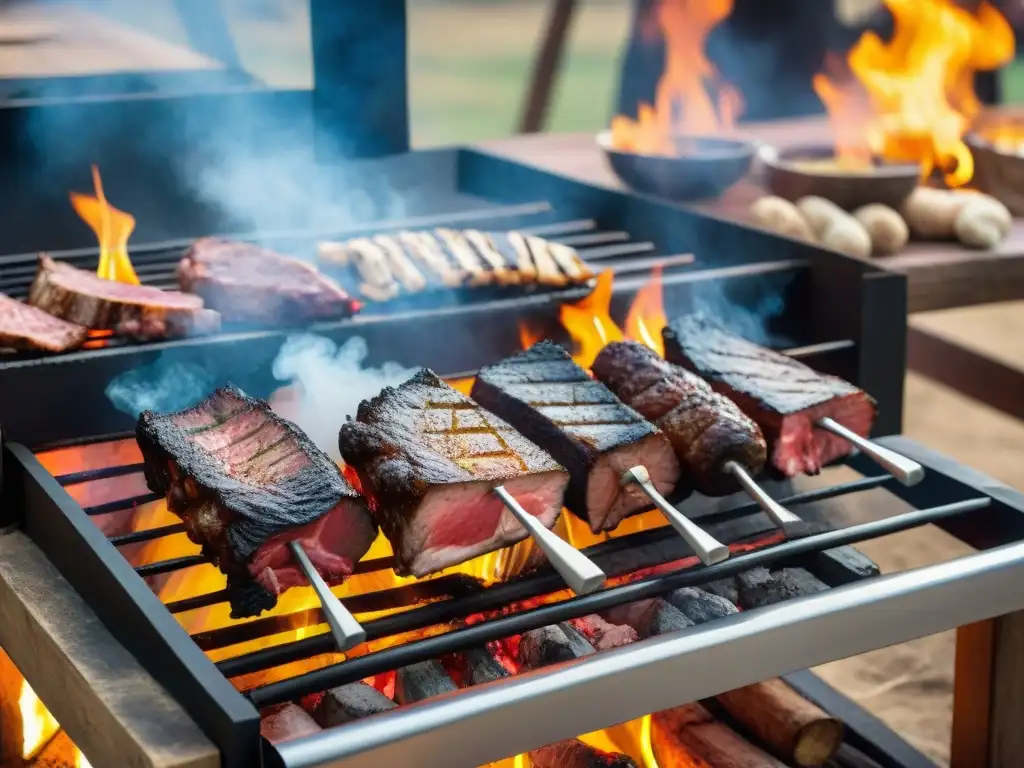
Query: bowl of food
{"x": 698, "y": 168}
{"x": 999, "y": 162}
{"x": 801, "y": 171}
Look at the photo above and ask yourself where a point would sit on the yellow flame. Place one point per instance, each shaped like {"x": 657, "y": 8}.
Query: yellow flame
{"x": 37, "y": 724}
{"x": 112, "y": 228}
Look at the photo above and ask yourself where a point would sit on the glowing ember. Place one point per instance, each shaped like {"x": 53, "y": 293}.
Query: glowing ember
{"x": 112, "y": 228}
{"x": 682, "y": 103}
{"x": 912, "y": 99}
{"x": 37, "y": 724}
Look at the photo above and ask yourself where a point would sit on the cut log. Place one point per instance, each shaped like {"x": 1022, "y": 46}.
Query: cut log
{"x": 286, "y": 722}
{"x": 421, "y": 681}
{"x": 700, "y": 606}
{"x": 350, "y": 702}
{"x": 787, "y": 724}
{"x": 759, "y": 587}
{"x": 550, "y": 645}
{"x": 573, "y": 753}
{"x": 680, "y": 734}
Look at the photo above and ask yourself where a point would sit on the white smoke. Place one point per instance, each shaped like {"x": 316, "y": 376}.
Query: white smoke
{"x": 164, "y": 386}
{"x": 327, "y": 383}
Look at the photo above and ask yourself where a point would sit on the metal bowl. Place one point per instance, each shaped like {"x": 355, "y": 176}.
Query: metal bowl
{"x": 998, "y": 171}
{"x": 887, "y": 183}
{"x": 703, "y": 167}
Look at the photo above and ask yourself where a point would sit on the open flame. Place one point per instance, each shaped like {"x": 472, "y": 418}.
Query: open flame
{"x": 690, "y": 97}
{"x": 912, "y": 99}
{"x": 112, "y": 228}
{"x": 39, "y": 728}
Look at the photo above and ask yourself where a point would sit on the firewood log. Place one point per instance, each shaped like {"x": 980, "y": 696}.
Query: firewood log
{"x": 680, "y": 734}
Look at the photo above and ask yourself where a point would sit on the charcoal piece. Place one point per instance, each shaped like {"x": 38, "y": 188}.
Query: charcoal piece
{"x": 285, "y": 722}
{"x": 422, "y": 681}
{"x": 350, "y": 702}
{"x": 246, "y": 283}
{"x": 23, "y": 326}
{"x": 430, "y": 457}
{"x": 784, "y": 396}
{"x": 247, "y": 482}
{"x": 603, "y": 635}
{"x": 842, "y": 565}
{"x": 544, "y": 394}
{"x": 650, "y": 617}
{"x": 707, "y": 430}
{"x": 550, "y": 645}
{"x": 573, "y": 753}
{"x": 699, "y": 606}
{"x": 726, "y": 588}
{"x": 759, "y": 587}
{"x": 480, "y": 666}
{"x": 137, "y": 311}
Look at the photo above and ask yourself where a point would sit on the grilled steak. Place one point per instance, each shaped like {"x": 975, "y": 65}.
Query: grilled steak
{"x": 138, "y": 311}
{"x": 706, "y": 429}
{"x": 24, "y": 327}
{"x": 574, "y": 753}
{"x": 246, "y": 482}
{"x": 551, "y": 400}
{"x": 782, "y": 395}
{"x": 428, "y": 458}
{"x": 250, "y": 284}
{"x": 408, "y": 262}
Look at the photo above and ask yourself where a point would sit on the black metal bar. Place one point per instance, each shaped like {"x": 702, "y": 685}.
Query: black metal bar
{"x": 104, "y": 473}
{"x": 150, "y": 534}
{"x": 598, "y": 238}
{"x": 76, "y": 442}
{"x": 478, "y": 634}
{"x": 121, "y": 504}
{"x": 524, "y": 588}
{"x": 615, "y": 251}
{"x": 174, "y": 564}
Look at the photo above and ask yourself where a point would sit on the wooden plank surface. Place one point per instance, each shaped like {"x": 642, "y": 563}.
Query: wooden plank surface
{"x": 941, "y": 275}
{"x": 58, "y": 40}
{"x": 110, "y": 707}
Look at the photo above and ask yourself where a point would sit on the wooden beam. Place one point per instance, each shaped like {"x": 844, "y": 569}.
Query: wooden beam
{"x": 105, "y": 701}
{"x": 1006, "y": 734}
{"x": 546, "y": 66}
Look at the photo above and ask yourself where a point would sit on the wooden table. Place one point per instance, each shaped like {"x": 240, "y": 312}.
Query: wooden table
{"x": 939, "y": 275}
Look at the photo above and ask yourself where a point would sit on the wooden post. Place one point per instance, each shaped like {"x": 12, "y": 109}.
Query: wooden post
{"x": 546, "y": 66}
{"x": 988, "y": 694}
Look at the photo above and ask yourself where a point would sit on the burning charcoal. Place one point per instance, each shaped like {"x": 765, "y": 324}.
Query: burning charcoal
{"x": 422, "y": 681}
{"x": 350, "y": 702}
{"x": 707, "y": 430}
{"x": 603, "y": 635}
{"x": 552, "y": 644}
{"x": 759, "y": 587}
{"x": 544, "y": 394}
{"x": 246, "y": 483}
{"x": 785, "y": 397}
{"x": 479, "y": 666}
{"x": 285, "y": 722}
{"x": 726, "y": 588}
{"x": 649, "y": 617}
{"x": 430, "y": 457}
{"x": 699, "y": 606}
{"x": 573, "y": 753}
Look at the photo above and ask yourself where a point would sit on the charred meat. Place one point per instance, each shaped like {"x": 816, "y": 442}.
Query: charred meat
{"x": 22, "y": 326}
{"x": 246, "y": 482}
{"x": 784, "y": 396}
{"x": 137, "y": 311}
{"x": 428, "y": 457}
{"x": 550, "y": 399}
{"x": 250, "y": 284}
{"x": 409, "y": 262}
{"x": 706, "y": 429}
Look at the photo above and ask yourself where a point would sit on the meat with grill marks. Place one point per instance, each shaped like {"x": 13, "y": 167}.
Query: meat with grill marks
{"x": 428, "y": 457}
{"x": 409, "y": 262}
{"x": 23, "y": 326}
{"x": 544, "y": 394}
{"x": 707, "y": 430}
{"x": 246, "y": 482}
{"x": 784, "y": 396}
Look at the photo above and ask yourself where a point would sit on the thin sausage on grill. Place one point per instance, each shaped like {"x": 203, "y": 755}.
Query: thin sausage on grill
{"x": 706, "y": 429}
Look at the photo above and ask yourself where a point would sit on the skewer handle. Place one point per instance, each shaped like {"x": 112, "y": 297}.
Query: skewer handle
{"x": 778, "y": 513}
{"x": 907, "y": 471}
{"x": 579, "y": 572}
{"x": 707, "y": 547}
{"x": 346, "y": 630}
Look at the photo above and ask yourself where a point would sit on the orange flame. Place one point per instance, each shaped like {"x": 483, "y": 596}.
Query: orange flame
{"x": 112, "y": 228}
{"x": 646, "y": 316}
{"x": 912, "y": 98}
{"x": 682, "y": 102}
{"x": 37, "y": 724}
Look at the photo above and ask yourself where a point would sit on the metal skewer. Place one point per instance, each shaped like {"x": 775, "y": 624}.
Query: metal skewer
{"x": 707, "y": 547}
{"x": 579, "y": 572}
{"x": 779, "y": 515}
{"x": 907, "y": 471}
{"x": 346, "y": 630}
